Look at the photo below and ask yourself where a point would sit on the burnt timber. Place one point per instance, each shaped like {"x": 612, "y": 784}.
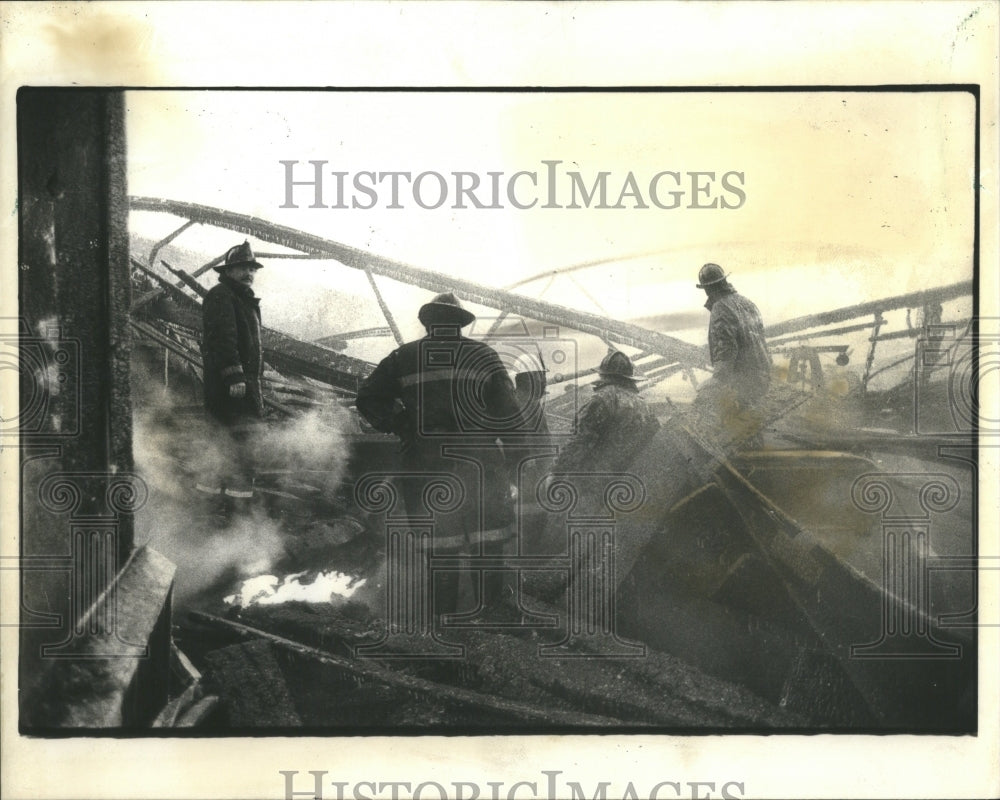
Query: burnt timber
{"x": 806, "y": 610}
{"x": 732, "y": 570}
{"x": 511, "y": 302}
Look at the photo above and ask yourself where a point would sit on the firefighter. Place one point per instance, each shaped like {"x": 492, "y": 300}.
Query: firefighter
{"x": 613, "y": 425}
{"x": 612, "y": 429}
{"x": 233, "y": 369}
{"x": 451, "y": 402}
{"x": 741, "y": 364}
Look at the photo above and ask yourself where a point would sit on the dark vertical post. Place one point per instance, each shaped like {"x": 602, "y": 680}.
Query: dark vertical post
{"x": 74, "y": 275}
{"x": 95, "y": 615}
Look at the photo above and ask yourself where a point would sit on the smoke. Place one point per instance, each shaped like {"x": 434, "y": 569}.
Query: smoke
{"x": 313, "y": 442}
{"x": 177, "y": 449}
{"x": 210, "y": 556}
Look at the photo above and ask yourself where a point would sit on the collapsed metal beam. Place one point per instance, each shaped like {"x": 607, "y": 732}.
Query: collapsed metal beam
{"x": 165, "y": 241}
{"x": 385, "y": 308}
{"x": 911, "y": 300}
{"x": 934, "y": 332}
{"x": 364, "y": 333}
{"x": 166, "y": 287}
{"x": 284, "y": 353}
{"x": 662, "y": 373}
{"x": 287, "y": 354}
{"x": 836, "y": 602}
{"x": 167, "y": 343}
{"x": 190, "y": 282}
{"x": 622, "y": 333}
{"x": 818, "y": 334}
{"x": 191, "y": 357}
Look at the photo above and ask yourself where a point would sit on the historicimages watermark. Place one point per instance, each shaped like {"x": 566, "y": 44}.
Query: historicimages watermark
{"x": 548, "y": 185}
{"x": 551, "y": 784}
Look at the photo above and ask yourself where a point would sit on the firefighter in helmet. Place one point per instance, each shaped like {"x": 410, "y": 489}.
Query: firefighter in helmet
{"x": 741, "y": 363}
{"x": 613, "y": 425}
{"x": 451, "y": 402}
{"x": 233, "y": 367}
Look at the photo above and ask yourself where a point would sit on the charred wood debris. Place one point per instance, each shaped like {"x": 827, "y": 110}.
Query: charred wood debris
{"x": 293, "y": 665}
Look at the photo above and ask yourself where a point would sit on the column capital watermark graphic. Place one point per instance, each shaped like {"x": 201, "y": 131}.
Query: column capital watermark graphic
{"x": 91, "y": 505}
{"x": 382, "y": 493}
{"x": 92, "y": 495}
{"x": 906, "y": 503}
{"x": 47, "y": 365}
{"x": 591, "y": 496}
{"x": 584, "y": 506}
{"x": 410, "y": 540}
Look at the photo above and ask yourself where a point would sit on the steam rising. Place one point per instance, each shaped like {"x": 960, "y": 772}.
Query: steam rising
{"x": 176, "y": 448}
{"x": 313, "y": 442}
{"x": 205, "y": 555}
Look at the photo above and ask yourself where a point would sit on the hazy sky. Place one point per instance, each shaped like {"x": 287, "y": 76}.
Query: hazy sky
{"x": 845, "y": 196}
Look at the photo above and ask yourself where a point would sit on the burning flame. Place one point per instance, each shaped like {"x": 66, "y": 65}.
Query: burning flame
{"x": 268, "y": 590}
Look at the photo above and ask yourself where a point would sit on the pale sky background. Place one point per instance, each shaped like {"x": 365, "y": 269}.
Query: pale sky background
{"x": 849, "y": 196}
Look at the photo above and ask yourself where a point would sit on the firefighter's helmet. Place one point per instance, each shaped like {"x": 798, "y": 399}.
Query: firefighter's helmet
{"x": 709, "y": 275}
{"x": 616, "y": 364}
{"x": 445, "y": 309}
{"x": 240, "y": 256}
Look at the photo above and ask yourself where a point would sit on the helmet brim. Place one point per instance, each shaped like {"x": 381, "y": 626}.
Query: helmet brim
{"x": 616, "y": 376}
{"x": 254, "y": 264}
{"x": 717, "y": 281}
{"x": 445, "y": 314}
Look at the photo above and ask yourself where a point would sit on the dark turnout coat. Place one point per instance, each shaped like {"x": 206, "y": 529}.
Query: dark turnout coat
{"x": 449, "y": 399}
{"x": 231, "y": 352}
